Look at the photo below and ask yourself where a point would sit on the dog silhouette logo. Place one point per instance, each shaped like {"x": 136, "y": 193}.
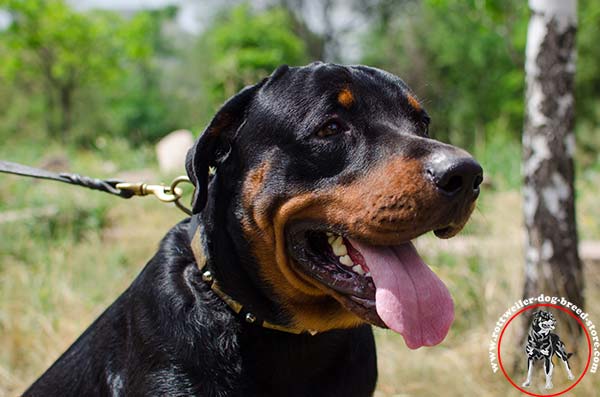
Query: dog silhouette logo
{"x": 543, "y": 344}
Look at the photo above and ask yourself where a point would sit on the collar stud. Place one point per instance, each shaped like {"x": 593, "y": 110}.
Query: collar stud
{"x": 207, "y": 276}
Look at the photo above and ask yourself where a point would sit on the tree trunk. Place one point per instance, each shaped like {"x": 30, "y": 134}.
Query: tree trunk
{"x": 552, "y": 264}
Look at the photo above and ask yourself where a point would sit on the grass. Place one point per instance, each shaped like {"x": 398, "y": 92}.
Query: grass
{"x": 58, "y": 273}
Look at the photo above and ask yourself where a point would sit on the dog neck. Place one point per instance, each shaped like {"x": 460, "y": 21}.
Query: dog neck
{"x": 539, "y": 335}
{"x": 231, "y": 270}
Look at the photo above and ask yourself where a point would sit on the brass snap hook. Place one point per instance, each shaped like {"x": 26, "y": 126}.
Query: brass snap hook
{"x": 166, "y": 194}
{"x": 175, "y": 188}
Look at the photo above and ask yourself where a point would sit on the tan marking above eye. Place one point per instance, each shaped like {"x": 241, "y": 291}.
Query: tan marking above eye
{"x": 346, "y": 98}
{"x": 412, "y": 101}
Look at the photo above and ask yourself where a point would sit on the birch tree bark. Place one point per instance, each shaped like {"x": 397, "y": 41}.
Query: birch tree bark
{"x": 552, "y": 264}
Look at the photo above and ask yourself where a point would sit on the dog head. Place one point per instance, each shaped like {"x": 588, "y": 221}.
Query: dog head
{"x": 543, "y": 322}
{"x": 329, "y": 172}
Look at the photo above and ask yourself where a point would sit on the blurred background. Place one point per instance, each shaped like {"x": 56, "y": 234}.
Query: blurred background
{"x": 91, "y": 86}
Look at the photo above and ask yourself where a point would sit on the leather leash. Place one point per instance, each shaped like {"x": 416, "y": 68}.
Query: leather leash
{"x": 166, "y": 194}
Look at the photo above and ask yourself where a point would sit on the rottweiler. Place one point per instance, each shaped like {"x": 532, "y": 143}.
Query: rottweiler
{"x": 544, "y": 345}
{"x": 310, "y": 186}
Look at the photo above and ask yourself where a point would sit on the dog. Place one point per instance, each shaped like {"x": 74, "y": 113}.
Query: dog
{"x": 310, "y": 186}
{"x": 543, "y": 345}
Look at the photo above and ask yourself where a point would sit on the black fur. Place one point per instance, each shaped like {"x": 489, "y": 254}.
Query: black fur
{"x": 168, "y": 334}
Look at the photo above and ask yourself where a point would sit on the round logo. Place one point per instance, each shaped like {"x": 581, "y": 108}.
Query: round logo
{"x": 550, "y": 369}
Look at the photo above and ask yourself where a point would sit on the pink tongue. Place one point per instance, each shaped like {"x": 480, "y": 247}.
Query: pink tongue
{"x": 410, "y": 298}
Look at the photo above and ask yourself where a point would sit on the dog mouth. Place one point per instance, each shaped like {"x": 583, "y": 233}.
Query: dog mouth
{"x": 386, "y": 285}
{"x": 546, "y": 326}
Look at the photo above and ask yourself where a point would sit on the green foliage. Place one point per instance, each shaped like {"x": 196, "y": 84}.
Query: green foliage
{"x": 84, "y": 72}
{"x": 139, "y": 106}
{"x": 52, "y": 44}
{"x": 245, "y": 46}
{"x": 500, "y": 155}
{"x": 587, "y": 81}
{"x": 463, "y": 58}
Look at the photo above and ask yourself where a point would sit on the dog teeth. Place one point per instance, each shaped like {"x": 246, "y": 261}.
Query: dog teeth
{"x": 358, "y": 269}
{"x": 341, "y": 251}
{"x": 338, "y": 246}
{"x": 346, "y": 261}
{"x": 334, "y": 240}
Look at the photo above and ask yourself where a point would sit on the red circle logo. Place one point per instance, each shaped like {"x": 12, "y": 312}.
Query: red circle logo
{"x": 589, "y": 343}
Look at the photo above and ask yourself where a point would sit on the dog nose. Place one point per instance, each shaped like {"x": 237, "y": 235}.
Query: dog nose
{"x": 455, "y": 175}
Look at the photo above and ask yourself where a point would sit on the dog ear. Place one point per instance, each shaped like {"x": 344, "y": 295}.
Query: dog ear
{"x": 205, "y": 152}
{"x": 209, "y": 148}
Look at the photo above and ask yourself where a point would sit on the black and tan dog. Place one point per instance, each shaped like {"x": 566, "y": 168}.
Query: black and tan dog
{"x": 543, "y": 345}
{"x": 300, "y": 240}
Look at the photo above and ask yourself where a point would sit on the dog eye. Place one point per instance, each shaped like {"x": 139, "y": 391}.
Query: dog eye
{"x": 333, "y": 127}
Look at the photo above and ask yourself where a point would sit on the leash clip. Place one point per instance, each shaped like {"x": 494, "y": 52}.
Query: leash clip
{"x": 166, "y": 194}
